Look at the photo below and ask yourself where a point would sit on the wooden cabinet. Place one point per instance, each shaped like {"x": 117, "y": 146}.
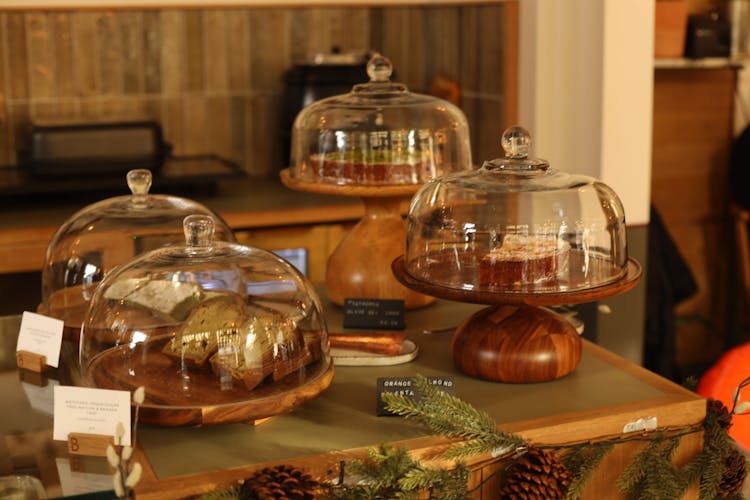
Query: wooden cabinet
{"x": 693, "y": 130}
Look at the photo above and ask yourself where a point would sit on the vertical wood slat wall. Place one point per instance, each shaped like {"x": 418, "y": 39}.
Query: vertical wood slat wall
{"x": 213, "y": 77}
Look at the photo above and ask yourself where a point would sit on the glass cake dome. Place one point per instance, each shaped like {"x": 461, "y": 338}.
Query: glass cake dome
{"x": 380, "y": 133}
{"x": 516, "y": 226}
{"x": 215, "y": 332}
{"x": 108, "y": 233}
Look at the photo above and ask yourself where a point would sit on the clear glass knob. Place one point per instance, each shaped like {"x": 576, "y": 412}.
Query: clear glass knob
{"x": 516, "y": 142}
{"x": 379, "y": 68}
{"x": 199, "y": 231}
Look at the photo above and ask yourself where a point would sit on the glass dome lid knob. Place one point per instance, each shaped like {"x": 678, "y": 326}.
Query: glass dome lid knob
{"x": 199, "y": 231}
{"x": 379, "y": 68}
{"x": 139, "y": 182}
{"x": 516, "y": 143}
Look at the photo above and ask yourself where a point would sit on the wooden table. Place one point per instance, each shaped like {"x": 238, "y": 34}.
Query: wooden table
{"x": 604, "y": 394}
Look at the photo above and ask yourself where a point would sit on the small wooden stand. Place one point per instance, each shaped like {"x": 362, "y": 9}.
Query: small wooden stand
{"x": 31, "y": 361}
{"x": 89, "y": 444}
{"x": 360, "y": 266}
{"x": 515, "y": 340}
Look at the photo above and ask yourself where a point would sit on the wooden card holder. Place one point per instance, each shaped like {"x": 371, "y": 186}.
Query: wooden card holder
{"x": 80, "y": 443}
{"x": 31, "y": 361}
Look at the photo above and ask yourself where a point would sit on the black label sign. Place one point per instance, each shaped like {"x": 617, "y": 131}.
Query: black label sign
{"x": 404, "y": 386}
{"x": 380, "y": 314}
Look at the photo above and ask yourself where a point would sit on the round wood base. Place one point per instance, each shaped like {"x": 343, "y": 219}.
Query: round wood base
{"x": 360, "y": 267}
{"x": 516, "y": 343}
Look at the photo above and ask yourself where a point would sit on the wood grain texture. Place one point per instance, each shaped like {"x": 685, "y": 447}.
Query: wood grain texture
{"x": 517, "y": 344}
{"x": 693, "y": 130}
{"x": 360, "y": 265}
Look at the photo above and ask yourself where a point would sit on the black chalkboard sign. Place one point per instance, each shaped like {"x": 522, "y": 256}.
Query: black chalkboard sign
{"x": 379, "y": 314}
{"x": 404, "y": 386}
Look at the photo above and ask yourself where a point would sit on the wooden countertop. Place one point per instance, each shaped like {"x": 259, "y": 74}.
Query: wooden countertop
{"x": 26, "y": 227}
{"x": 597, "y": 400}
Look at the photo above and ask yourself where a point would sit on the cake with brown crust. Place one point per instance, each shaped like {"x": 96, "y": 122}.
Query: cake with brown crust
{"x": 524, "y": 259}
{"x": 371, "y": 167}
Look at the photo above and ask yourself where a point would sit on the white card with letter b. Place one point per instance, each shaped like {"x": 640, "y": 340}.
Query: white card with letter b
{"x": 91, "y": 411}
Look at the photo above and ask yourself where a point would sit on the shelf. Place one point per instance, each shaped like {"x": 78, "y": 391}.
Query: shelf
{"x": 702, "y": 63}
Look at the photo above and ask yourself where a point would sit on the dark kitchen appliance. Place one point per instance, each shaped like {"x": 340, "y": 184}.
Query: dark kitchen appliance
{"x": 324, "y": 75}
{"x": 93, "y": 149}
{"x": 708, "y": 36}
{"x": 70, "y": 160}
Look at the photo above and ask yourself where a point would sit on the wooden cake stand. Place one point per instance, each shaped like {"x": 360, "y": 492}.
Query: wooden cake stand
{"x": 359, "y": 267}
{"x": 515, "y": 339}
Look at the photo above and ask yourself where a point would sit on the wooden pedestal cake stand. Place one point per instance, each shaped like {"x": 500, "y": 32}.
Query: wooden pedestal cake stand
{"x": 360, "y": 265}
{"x": 515, "y": 339}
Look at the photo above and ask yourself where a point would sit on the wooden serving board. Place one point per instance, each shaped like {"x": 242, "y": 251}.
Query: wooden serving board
{"x": 179, "y": 394}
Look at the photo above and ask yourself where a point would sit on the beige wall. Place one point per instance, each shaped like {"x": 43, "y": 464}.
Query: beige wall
{"x": 213, "y": 78}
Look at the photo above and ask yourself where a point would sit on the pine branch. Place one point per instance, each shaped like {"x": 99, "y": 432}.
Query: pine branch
{"x": 448, "y": 415}
{"x": 582, "y": 464}
{"x": 651, "y": 474}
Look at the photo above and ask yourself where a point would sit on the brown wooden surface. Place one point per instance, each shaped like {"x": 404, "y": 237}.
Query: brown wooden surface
{"x": 692, "y": 134}
{"x": 360, "y": 266}
{"x": 80, "y": 443}
{"x": 517, "y": 344}
{"x": 31, "y": 361}
{"x": 202, "y": 401}
{"x": 676, "y": 408}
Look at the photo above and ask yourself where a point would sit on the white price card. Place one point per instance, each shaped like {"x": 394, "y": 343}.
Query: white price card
{"x": 91, "y": 411}
{"x": 41, "y": 335}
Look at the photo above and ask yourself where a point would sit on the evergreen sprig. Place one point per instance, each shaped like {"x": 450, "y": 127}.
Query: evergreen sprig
{"x": 651, "y": 474}
{"x": 450, "y": 416}
{"x": 389, "y": 472}
{"x": 582, "y": 462}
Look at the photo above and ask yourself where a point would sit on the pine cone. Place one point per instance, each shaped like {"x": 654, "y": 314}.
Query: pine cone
{"x": 734, "y": 473}
{"x": 537, "y": 475}
{"x": 279, "y": 482}
{"x": 720, "y": 412}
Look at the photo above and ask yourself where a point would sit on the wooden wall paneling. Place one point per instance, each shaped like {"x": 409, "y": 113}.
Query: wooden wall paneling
{"x": 402, "y": 35}
{"x": 41, "y": 63}
{"x": 62, "y": 54}
{"x": 109, "y": 57}
{"x": 151, "y": 38}
{"x": 690, "y": 183}
{"x": 17, "y": 54}
{"x": 270, "y": 52}
{"x": 216, "y": 53}
{"x": 195, "y": 73}
{"x": 238, "y": 50}
{"x": 173, "y": 52}
{"x": 131, "y": 34}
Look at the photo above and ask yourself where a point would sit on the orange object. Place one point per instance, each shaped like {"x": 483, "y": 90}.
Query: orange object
{"x": 720, "y": 381}
{"x": 447, "y": 89}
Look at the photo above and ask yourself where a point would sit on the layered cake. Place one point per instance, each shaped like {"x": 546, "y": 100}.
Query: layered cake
{"x": 372, "y": 167}
{"x": 524, "y": 259}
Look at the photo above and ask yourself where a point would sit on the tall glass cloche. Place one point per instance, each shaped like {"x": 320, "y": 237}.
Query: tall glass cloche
{"x": 380, "y": 133}
{"x": 215, "y": 332}
{"x": 108, "y": 233}
{"x": 516, "y": 226}
{"x": 516, "y": 235}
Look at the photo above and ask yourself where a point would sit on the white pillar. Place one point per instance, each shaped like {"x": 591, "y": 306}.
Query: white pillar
{"x": 586, "y": 89}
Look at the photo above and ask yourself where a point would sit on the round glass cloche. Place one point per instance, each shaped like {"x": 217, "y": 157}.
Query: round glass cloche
{"x": 380, "y": 133}
{"x": 215, "y": 332}
{"x": 516, "y": 226}
{"x": 108, "y": 233}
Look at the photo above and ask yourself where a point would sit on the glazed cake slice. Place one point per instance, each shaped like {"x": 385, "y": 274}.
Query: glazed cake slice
{"x": 524, "y": 259}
